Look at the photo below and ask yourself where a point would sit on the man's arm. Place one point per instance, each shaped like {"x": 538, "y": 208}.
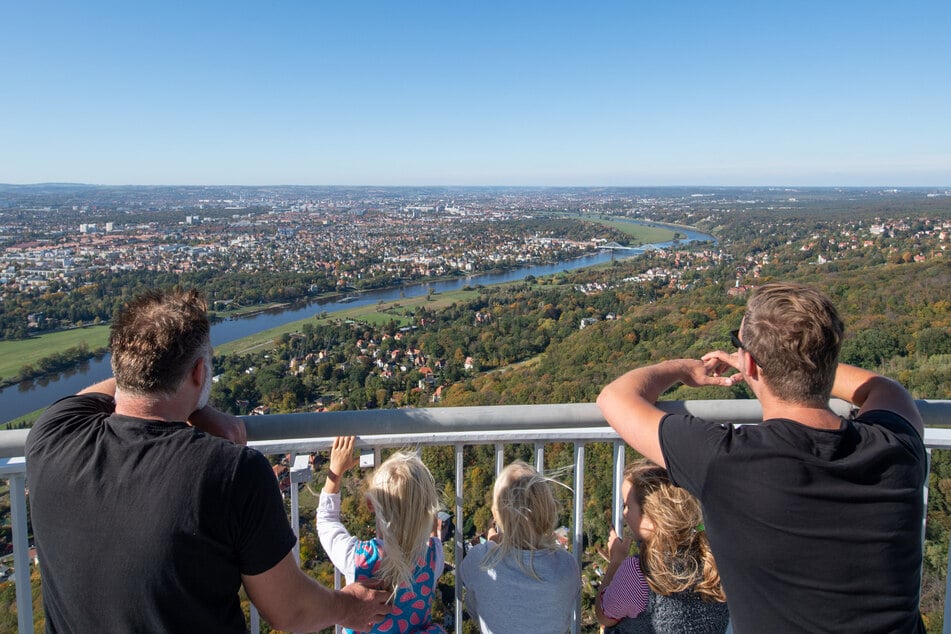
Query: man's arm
{"x": 291, "y": 601}
{"x": 217, "y": 423}
{"x": 871, "y": 391}
{"x": 628, "y": 403}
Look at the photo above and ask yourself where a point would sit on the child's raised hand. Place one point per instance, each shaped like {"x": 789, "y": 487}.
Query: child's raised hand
{"x": 341, "y": 455}
{"x": 618, "y": 548}
{"x": 341, "y": 461}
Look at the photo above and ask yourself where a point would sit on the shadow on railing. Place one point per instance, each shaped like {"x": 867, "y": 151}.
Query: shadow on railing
{"x": 302, "y": 434}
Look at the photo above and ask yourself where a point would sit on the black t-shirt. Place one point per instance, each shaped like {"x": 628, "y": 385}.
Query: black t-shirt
{"x": 812, "y": 530}
{"x": 147, "y": 526}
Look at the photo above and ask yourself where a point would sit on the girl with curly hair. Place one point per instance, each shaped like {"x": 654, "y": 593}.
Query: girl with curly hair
{"x": 672, "y": 585}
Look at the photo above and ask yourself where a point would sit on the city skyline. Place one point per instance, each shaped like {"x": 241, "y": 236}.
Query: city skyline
{"x": 532, "y": 94}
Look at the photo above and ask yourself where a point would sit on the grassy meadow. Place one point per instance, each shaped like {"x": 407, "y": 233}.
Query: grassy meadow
{"x": 17, "y": 353}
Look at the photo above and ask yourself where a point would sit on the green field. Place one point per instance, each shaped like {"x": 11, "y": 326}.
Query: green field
{"x": 15, "y": 354}
{"x": 29, "y": 418}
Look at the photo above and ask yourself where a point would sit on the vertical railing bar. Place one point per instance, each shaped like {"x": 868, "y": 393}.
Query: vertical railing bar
{"x": 946, "y": 629}
{"x": 338, "y": 583}
{"x": 617, "y": 502}
{"x": 295, "y": 506}
{"x": 924, "y": 517}
{"x": 947, "y": 593}
{"x": 255, "y": 620}
{"x": 21, "y": 554}
{"x": 499, "y": 458}
{"x": 457, "y": 541}
{"x": 539, "y": 457}
{"x": 577, "y": 542}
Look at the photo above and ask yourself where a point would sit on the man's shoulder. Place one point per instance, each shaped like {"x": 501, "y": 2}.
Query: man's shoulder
{"x": 88, "y": 404}
{"x": 67, "y": 413}
{"x": 886, "y": 419}
{"x": 684, "y": 428}
{"x": 892, "y": 427}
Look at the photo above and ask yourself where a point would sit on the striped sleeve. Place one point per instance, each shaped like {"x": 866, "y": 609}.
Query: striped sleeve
{"x": 628, "y": 593}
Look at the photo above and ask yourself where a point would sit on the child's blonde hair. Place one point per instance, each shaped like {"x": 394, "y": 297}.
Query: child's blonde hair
{"x": 676, "y": 556}
{"x": 403, "y": 494}
{"x": 526, "y": 513}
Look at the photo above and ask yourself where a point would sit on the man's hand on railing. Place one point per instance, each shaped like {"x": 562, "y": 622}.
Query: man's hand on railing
{"x": 217, "y": 423}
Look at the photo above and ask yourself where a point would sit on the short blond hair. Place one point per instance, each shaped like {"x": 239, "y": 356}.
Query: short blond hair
{"x": 526, "y": 512}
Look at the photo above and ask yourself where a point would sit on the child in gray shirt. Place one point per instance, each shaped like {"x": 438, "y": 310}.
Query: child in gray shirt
{"x": 522, "y": 565}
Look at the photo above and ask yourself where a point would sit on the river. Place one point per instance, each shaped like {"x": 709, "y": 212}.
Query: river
{"x": 27, "y": 396}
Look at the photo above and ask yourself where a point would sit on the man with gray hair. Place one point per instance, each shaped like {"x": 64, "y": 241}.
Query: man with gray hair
{"x": 814, "y": 520}
{"x": 148, "y": 512}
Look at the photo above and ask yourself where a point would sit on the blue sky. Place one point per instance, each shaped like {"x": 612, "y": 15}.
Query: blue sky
{"x": 325, "y": 92}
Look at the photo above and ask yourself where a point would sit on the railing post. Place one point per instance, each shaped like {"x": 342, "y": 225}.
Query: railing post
{"x": 617, "y": 502}
{"x": 539, "y": 457}
{"x": 457, "y": 541}
{"x": 300, "y": 473}
{"x": 947, "y": 593}
{"x": 295, "y": 507}
{"x": 255, "y": 620}
{"x": 21, "y": 554}
{"x": 499, "y": 458}
{"x": 338, "y": 583}
{"x": 578, "y": 541}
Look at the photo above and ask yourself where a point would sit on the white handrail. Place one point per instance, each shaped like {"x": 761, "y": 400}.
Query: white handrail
{"x": 455, "y": 427}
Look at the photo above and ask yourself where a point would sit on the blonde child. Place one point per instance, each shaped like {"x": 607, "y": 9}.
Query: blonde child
{"x": 521, "y": 580}
{"x": 673, "y": 585}
{"x": 404, "y": 557}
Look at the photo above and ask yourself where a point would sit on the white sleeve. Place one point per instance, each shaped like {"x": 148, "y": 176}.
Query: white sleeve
{"x": 337, "y": 542}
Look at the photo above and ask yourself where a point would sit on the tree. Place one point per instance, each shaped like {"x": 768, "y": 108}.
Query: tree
{"x": 869, "y": 348}
{"x": 931, "y": 341}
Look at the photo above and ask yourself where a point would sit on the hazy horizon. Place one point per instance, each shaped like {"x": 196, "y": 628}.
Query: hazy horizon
{"x": 774, "y": 186}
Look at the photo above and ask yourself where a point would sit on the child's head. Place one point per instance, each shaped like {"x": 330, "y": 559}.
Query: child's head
{"x": 524, "y": 507}
{"x": 403, "y": 495}
{"x": 675, "y": 554}
{"x": 526, "y": 513}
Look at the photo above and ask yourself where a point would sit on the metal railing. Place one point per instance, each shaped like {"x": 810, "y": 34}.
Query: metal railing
{"x": 302, "y": 434}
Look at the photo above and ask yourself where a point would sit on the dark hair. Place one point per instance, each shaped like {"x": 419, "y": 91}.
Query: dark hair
{"x": 156, "y": 338}
{"x": 796, "y": 333}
